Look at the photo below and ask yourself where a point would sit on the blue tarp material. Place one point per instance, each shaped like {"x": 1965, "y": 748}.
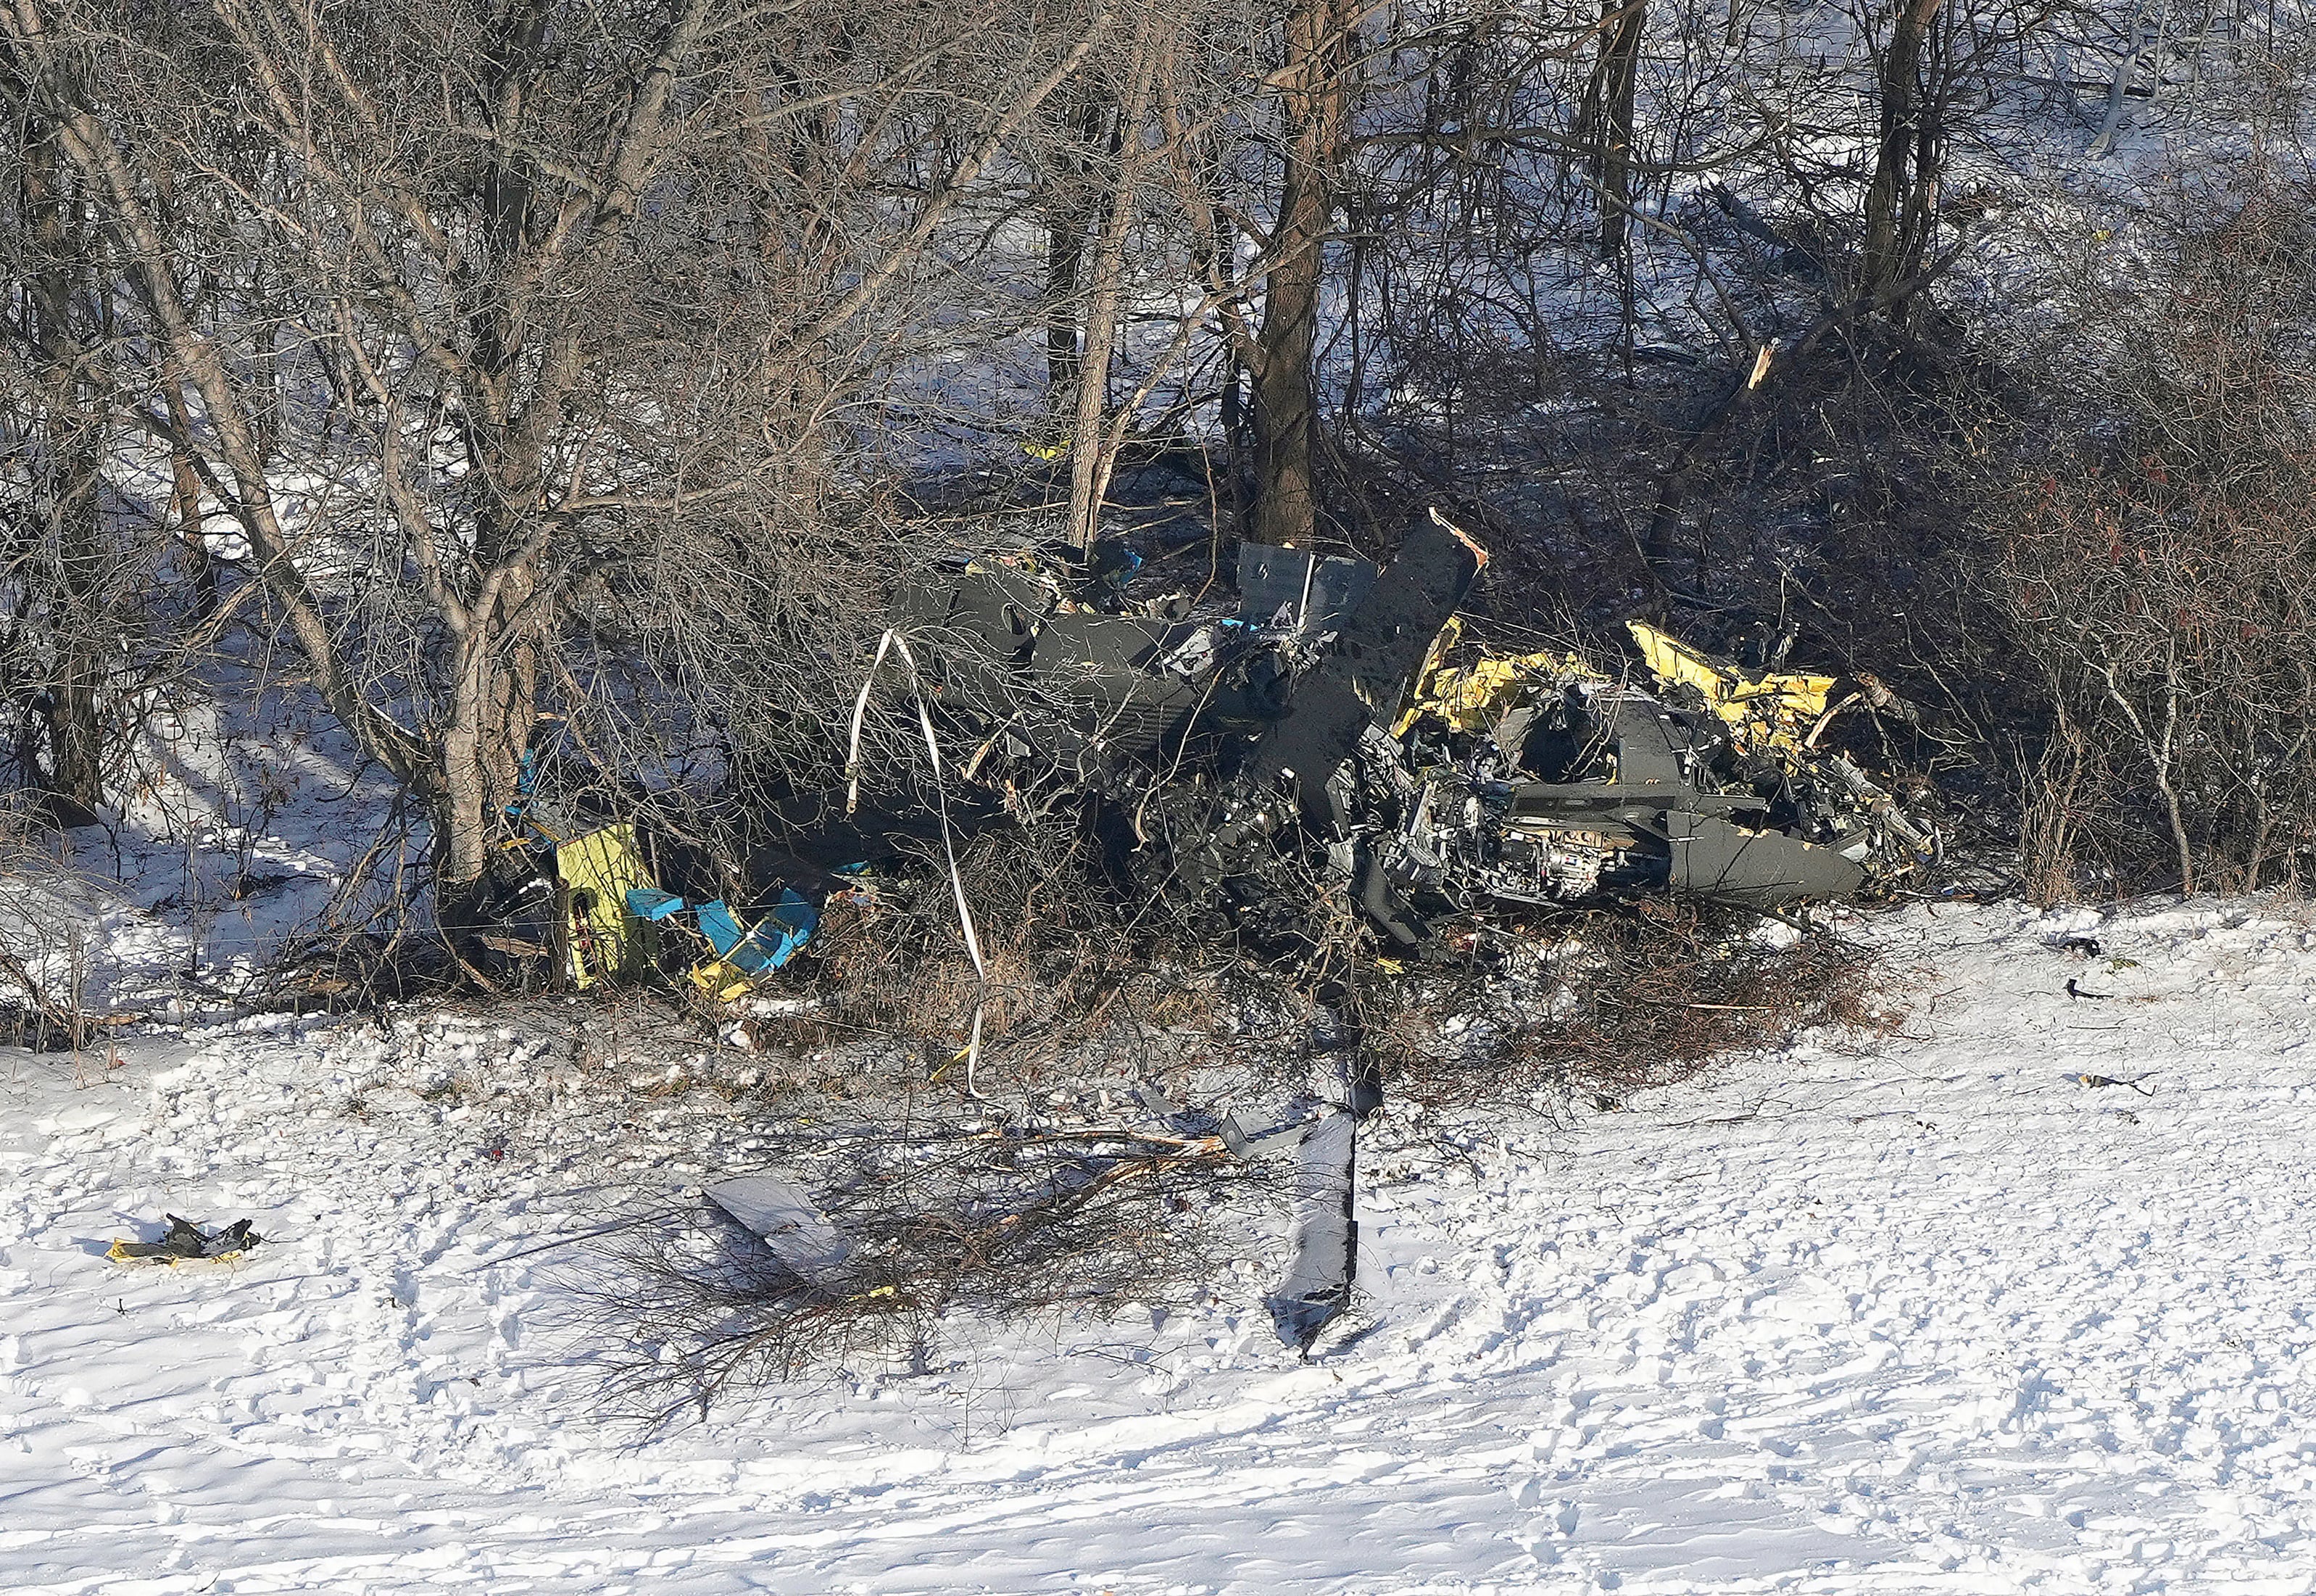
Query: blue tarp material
{"x": 773, "y": 943}
{"x": 717, "y": 925}
{"x": 649, "y": 903}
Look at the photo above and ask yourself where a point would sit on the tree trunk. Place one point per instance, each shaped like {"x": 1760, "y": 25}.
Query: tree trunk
{"x": 1064, "y": 252}
{"x": 1087, "y": 472}
{"x": 494, "y": 679}
{"x": 1068, "y": 214}
{"x": 66, "y": 480}
{"x": 1903, "y": 194}
{"x": 1607, "y": 116}
{"x": 75, "y": 771}
{"x": 1312, "y": 101}
{"x": 494, "y": 705}
{"x": 185, "y": 502}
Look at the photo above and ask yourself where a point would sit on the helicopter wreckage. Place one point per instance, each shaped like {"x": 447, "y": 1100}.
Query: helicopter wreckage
{"x": 1330, "y": 749}
{"x": 1336, "y": 730}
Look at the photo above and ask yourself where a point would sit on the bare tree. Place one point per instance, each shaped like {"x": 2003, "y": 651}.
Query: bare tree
{"x": 2149, "y": 557}
{"x": 1901, "y": 196}
{"x": 462, "y": 348}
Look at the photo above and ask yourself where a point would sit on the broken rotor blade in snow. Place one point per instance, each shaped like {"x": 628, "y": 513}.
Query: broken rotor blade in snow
{"x": 1270, "y": 1141}
{"x": 1323, "y": 1240}
{"x": 1234, "y": 1136}
{"x": 782, "y": 1215}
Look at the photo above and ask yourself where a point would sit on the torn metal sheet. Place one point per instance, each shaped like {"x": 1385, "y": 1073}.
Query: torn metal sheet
{"x": 1323, "y": 1236}
{"x": 185, "y": 1241}
{"x": 1298, "y": 589}
{"x": 782, "y": 1215}
{"x": 1365, "y": 675}
{"x": 1762, "y": 709}
{"x": 745, "y": 954}
{"x": 1478, "y": 697}
{"x": 1341, "y": 732}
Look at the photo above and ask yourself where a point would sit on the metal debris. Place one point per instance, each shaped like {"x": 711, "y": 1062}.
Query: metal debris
{"x": 782, "y": 1215}
{"x": 1338, "y": 732}
{"x": 1322, "y": 1236}
{"x": 186, "y": 1241}
{"x": 1333, "y": 738}
{"x": 1331, "y": 750}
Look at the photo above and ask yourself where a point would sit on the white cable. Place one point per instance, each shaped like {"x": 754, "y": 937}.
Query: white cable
{"x": 891, "y": 641}
{"x": 860, "y": 710}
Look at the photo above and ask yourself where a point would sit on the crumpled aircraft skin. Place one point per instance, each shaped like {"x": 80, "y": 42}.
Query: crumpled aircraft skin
{"x": 1340, "y": 730}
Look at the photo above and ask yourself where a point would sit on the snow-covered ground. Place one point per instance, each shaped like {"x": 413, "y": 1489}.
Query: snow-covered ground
{"x": 1926, "y": 1314}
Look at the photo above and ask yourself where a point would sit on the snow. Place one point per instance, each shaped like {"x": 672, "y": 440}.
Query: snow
{"x": 235, "y": 833}
{"x": 1923, "y": 1314}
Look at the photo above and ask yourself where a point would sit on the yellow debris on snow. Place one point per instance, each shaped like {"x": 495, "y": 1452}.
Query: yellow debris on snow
{"x": 722, "y": 980}
{"x": 1763, "y": 709}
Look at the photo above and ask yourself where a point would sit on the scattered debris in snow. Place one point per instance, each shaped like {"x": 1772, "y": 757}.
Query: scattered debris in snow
{"x": 184, "y": 1242}
{"x": 1919, "y": 1315}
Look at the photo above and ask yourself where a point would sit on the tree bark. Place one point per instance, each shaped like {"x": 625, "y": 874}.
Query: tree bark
{"x": 1064, "y": 253}
{"x": 1069, "y": 212}
{"x": 1902, "y": 195}
{"x": 185, "y": 501}
{"x": 1088, "y": 475}
{"x": 1313, "y": 99}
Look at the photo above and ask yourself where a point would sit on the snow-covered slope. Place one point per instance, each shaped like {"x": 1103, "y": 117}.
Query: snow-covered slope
{"x": 1930, "y": 1314}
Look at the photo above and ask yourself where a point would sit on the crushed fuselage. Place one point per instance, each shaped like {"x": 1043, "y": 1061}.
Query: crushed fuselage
{"x": 1338, "y": 732}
